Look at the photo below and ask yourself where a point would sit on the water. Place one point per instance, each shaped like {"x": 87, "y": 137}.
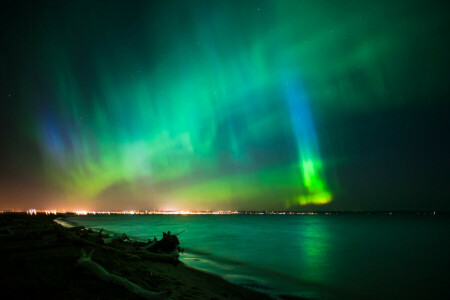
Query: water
{"x": 318, "y": 256}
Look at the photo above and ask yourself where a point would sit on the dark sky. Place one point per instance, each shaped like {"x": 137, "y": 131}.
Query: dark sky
{"x": 225, "y": 105}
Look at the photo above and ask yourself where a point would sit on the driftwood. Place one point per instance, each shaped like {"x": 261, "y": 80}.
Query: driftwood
{"x": 168, "y": 257}
{"x": 167, "y": 249}
{"x": 120, "y": 238}
{"x": 115, "y": 238}
{"x": 103, "y": 235}
{"x": 94, "y": 244}
{"x": 149, "y": 246}
{"x": 86, "y": 263}
{"x": 169, "y": 243}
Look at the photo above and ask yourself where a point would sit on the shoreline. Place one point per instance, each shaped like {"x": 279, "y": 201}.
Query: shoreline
{"x": 49, "y": 267}
{"x": 43, "y": 240}
{"x": 63, "y": 221}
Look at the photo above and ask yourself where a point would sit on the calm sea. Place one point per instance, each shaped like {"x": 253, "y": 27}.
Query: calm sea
{"x": 317, "y": 256}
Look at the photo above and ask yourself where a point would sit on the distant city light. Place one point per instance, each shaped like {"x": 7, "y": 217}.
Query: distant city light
{"x": 33, "y": 211}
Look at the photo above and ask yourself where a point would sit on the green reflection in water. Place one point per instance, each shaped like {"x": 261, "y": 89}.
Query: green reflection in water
{"x": 315, "y": 249}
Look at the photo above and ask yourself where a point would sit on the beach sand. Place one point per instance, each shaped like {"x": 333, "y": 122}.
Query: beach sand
{"x": 39, "y": 260}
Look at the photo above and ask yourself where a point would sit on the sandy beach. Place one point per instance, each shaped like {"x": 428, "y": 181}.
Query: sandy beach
{"x": 38, "y": 258}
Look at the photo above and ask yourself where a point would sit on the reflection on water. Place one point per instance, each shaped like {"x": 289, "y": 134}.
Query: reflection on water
{"x": 314, "y": 246}
{"x": 343, "y": 256}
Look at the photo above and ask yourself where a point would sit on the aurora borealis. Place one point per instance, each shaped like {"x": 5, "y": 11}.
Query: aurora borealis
{"x": 221, "y": 105}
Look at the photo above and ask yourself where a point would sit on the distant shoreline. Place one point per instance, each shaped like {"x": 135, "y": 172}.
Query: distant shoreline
{"x": 252, "y": 212}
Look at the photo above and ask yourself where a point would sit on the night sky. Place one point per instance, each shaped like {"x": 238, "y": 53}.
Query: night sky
{"x": 310, "y": 105}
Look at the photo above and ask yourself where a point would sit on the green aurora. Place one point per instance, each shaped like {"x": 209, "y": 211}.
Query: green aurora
{"x": 210, "y": 105}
